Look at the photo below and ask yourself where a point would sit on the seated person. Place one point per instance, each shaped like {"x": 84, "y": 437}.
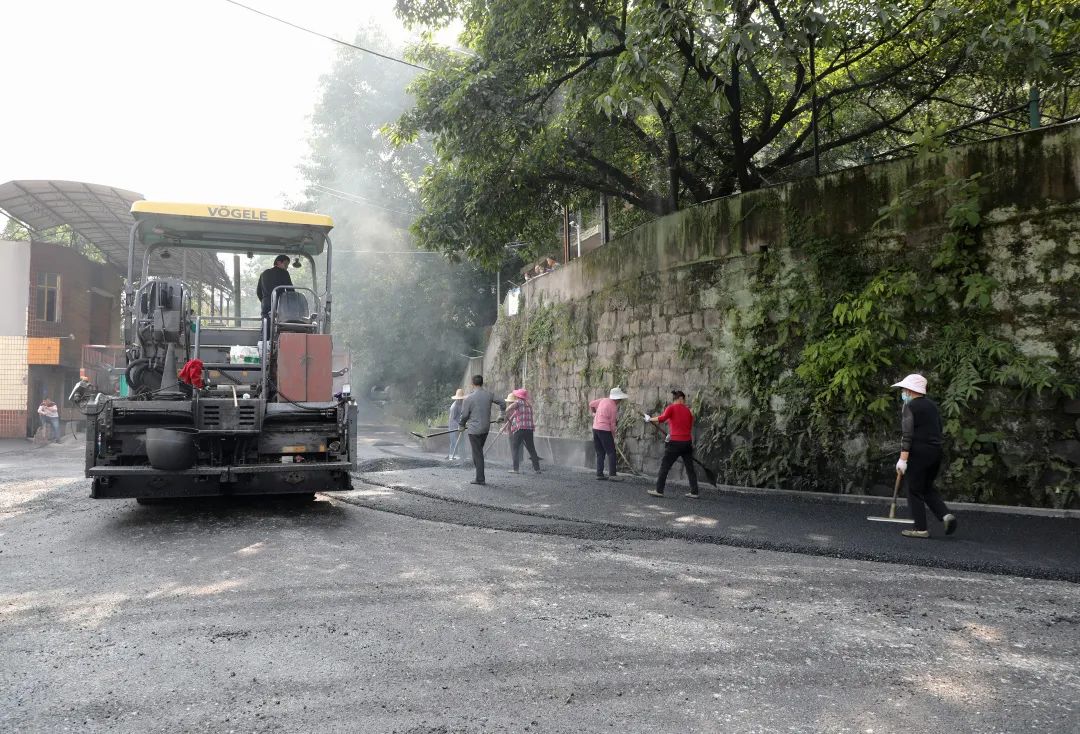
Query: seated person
{"x": 270, "y": 279}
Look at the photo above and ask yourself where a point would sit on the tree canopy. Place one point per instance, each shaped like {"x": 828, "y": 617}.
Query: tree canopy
{"x": 409, "y": 317}
{"x": 661, "y": 104}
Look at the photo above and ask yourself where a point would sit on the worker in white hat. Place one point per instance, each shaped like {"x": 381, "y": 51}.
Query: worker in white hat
{"x": 920, "y": 456}
{"x": 606, "y": 417}
{"x": 455, "y": 418}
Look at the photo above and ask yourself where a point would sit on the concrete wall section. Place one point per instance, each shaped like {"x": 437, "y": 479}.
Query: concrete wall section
{"x": 13, "y": 295}
{"x": 1023, "y": 171}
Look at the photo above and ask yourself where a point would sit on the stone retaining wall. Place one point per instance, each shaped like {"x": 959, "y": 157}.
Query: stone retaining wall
{"x": 659, "y": 307}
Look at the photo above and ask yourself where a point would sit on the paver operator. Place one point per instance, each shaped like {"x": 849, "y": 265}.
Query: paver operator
{"x": 270, "y": 279}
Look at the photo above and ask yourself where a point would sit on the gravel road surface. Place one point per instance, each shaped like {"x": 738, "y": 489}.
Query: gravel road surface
{"x": 273, "y": 616}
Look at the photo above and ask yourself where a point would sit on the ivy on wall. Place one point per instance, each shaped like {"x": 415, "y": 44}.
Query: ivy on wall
{"x": 803, "y": 401}
{"x": 830, "y": 332}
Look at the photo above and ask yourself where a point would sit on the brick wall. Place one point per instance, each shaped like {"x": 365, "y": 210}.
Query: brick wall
{"x": 80, "y": 307}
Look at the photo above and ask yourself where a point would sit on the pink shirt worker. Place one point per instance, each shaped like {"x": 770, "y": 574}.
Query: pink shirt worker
{"x": 606, "y": 417}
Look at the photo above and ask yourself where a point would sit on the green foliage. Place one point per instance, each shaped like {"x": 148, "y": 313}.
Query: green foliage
{"x": 848, "y": 360}
{"x": 430, "y": 399}
{"x": 852, "y": 331}
{"x": 62, "y": 235}
{"x": 687, "y": 352}
{"x": 14, "y": 231}
{"x": 534, "y": 333}
{"x": 741, "y": 430}
{"x": 659, "y": 105}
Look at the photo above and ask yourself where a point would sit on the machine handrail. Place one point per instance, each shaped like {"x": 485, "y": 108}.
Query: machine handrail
{"x": 199, "y": 327}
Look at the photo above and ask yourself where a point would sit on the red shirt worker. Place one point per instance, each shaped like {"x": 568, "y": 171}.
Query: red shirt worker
{"x": 680, "y": 443}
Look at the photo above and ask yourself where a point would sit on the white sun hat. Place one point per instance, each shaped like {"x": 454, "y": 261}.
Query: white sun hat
{"x": 915, "y": 383}
{"x": 617, "y": 394}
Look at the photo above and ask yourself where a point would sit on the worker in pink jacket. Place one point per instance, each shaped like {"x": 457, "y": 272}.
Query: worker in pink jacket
{"x": 606, "y": 416}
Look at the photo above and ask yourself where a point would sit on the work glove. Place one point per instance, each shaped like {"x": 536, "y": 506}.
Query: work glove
{"x": 647, "y": 416}
{"x": 901, "y": 466}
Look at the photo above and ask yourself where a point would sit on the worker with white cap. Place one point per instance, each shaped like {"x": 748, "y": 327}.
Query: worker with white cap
{"x": 455, "y": 418}
{"x": 606, "y": 416}
{"x": 920, "y": 456}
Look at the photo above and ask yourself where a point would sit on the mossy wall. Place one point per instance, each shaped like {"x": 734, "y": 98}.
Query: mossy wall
{"x": 704, "y": 300}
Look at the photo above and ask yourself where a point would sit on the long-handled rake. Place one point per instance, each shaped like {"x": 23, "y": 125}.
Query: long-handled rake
{"x": 440, "y": 433}
{"x": 892, "y": 508}
{"x": 629, "y": 466}
{"x": 504, "y": 426}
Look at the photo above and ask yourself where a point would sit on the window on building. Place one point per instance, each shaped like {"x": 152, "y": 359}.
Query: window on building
{"x": 48, "y": 297}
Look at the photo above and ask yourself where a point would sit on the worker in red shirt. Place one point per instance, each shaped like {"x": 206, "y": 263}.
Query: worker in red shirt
{"x": 680, "y": 443}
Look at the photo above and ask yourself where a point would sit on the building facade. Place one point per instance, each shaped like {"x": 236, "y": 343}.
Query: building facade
{"x": 54, "y": 301}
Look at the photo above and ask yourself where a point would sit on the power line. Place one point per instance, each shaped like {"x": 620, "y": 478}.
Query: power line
{"x": 385, "y": 252}
{"x": 328, "y": 38}
{"x": 351, "y": 195}
{"x": 355, "y": 199}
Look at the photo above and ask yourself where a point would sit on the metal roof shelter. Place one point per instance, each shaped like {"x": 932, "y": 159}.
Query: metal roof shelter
{"x": 102, "y": 216}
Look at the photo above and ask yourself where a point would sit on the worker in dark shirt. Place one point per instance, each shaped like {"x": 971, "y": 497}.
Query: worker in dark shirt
{"x": 680, "y": 443}
{"x": 270, "y": 279}
{"x": 920, "y": 456}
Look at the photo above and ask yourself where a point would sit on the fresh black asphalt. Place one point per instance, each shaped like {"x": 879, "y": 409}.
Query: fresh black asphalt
{"x": 570, "y": 502}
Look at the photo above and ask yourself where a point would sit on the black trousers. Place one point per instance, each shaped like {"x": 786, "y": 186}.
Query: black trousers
{"x": 476, "y": 442}
{"x": 673, "y": 451}
{"x": 924, "y": 463}
{"x": 523, "y": 439}
{"x": 604, "y": 443}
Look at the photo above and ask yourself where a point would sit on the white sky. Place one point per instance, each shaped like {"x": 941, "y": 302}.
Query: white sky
{"x": 186, "y": 100}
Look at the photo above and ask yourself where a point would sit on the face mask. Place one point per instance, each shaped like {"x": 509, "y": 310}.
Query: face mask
{"x": 905, "y": 397}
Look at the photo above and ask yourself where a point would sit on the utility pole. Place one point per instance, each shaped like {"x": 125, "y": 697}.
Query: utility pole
{"x": 813, "y": 105}
{"x": 577, "y": 228}
{"x": 605, "y": 235}
{"x": 236, "y": 288}
{"x": 566, "y": 233}
{"x": 1034, "y": 118}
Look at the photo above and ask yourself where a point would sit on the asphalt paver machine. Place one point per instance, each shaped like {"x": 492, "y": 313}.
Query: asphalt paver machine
{"x": 221, "y": 404}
